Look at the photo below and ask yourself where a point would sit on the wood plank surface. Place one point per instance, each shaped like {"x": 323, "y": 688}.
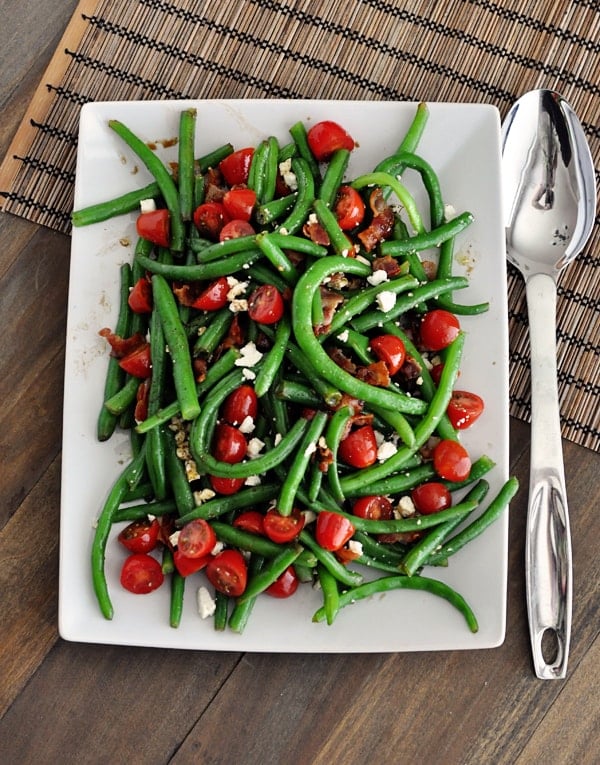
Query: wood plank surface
{"x": 66, "y": 702}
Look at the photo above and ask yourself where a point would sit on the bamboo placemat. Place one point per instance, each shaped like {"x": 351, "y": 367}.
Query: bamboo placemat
{"x": 486, "y": 51}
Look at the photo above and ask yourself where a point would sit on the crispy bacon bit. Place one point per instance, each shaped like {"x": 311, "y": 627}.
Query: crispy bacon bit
{"x": 122, "y": 346}
{"x": 329, "y": 301}
{"x": 234, "y": 337}
{"x": 338, "y": 281}
{"x": 375, "y": 374}
{"x": 199, "y": 366}
{"x": 411, "y": 369}
{"x": 388, "y": 264}
{"x": 187, "y": 293}
{"x": 430, "y": 269}
{"x": 407, "y": 537}
{"x": 324, "y": 457}
{"x": 354, "y": 404}
{"x": 340, "y": 358}
{"x": 314, "y": 231}
{"x": 380, "y": 228}
{"x": 141, "y": 401}
{"x": 214, "y": 186}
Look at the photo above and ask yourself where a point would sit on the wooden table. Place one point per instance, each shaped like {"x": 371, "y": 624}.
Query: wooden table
{"x": 64, "y": 702}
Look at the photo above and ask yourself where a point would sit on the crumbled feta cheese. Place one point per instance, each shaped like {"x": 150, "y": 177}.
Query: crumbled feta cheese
{"x": 255, "y": 446}
{"x": 248, "y": 374}
{"x": 219, "y": 547}
{"x": 147, "y": 205}
{"x": 289, "y": 177}
{"x": 236, "y": 287}
{"x": 283, "y": 231}
{"x": 355, "y": 547}
{"x": 343, "y": 336}
{"x": 247, "y": 425}
{"x": 238, "y": 305}
{"x": 419, "y": 380}
{"x": 322, "y": 442}
{"x": 203, "y": 495}
{"x": 449, "y": 212}
{"x": 386, "y": 450}
{"x": 310, "y": 449}
{"x": 386, "y": 300}
{"x": 174, "y": 538}
{"x": 253, "y": 480}
{"x": 206, "y": 603}
{"x": 249, "y": 356}
{"x": 309, "y": 516}
{"x": 378, "y": 277}
{"x": 406, "y": 507}
{"x": 364, "y": 260}
{"x": 379, "y": 437}
{"x": 277, "y": 439}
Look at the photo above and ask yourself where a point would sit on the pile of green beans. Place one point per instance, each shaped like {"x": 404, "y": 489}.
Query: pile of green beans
{"x": 306, "y": 399}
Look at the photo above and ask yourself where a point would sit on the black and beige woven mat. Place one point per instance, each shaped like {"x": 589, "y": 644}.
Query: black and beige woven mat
{"x": 486, "y": 51}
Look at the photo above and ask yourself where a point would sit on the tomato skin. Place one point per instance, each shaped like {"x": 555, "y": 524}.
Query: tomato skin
{"x": 196, "y": 539}
{"x": 285, "y": 585}
{"x": 438, "y": 329}
{"x": 374, "y": 507}
{"x": 265, "y": 304}
{"x": 140, "y": 536}
{"x": 239, "y": 203}
{"x": 283, "y": 528}
{"x": 229, "y": 445}
{"x": 140, "y": 296}
{"x": 241, "y": 403}
{"x": 155, "y": 226}
{"x": 251, "y": 521}
{"x": 214, "y": 297}
{"x": 349, "y": 208}
{"x": 333, "y": 530}
{"x": 225, "y": 486}
{"x": 228, "y": 573}
{"x": 389, "y": 349}
{"x": 236, "y": 166}
{"x": 464, "y": 408}
{"x": 186, "y": 566}
{"x": 359, "y": 448}
{"x": 233, "y": 229}
{"x": 327, "y": 137}
{"x": 431, "y": 497}
{"x": 209, "y": 219}
{"x": 138, "y": 363}
{"x": 451, "y": 461}
{"x": 141, "y": 574}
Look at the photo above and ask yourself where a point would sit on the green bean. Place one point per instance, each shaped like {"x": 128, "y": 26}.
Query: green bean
{"x": 299, "y": 134}
{"x": 270, "y": 572}
{"x": 269, "y": 170}
{"x": 413, "y": 134}
{"x": 120, "y": 401}
{"x": 273, "y": 210}
{"x": 335, "y": 432}
{"x": 297, "y": 393}
{"x": 398, "y": 483}
{"x": 277, "y": 257}
{"x": 331, "y": 593}
{"x": 218, "y": 250}
{"x": 201, "y": 271}
{"x": 212, "y": 159}
{"x": 304, "y": 199}
{"x": 273, "y": 359}
{"x": 167, "y": 563}
{"x": 387, "y": 583}
{"x": 177, "y": 476}
{"x": 339, "y": 240}
{"x": 334, "y": 175}
{"x": 142, "y": 512}
{"x": 221, "y": 611}
{"x": 121, "y": 205}
{"x": 177, "y": 593}
{"x": 379, "y": 550}
{"x": 405, "y": 197}
{"x": 330, "y": 562}
{"x": 241, "y": 611}
{"x": 425, "y": 240}
{"x": 175, "y": 337}
{"x": 214, "y": 333}
{"x": 297, "y": 244}
{"x": 185, "y": 168}
{"x": 155, "y": 447}
{"x": 330, "y": 395}
{"x": 214, "y": 508}
{"x": 479, "y": 468}
{"x": 162, "y": 177}
{"x": 255, "y": 544}
{"x": 264, "y": 274}
{"x": 255, "y": 174}
{"x": 398, "y": 422}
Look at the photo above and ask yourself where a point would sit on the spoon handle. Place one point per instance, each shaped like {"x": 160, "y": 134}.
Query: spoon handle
{"x": 548, "y": 563}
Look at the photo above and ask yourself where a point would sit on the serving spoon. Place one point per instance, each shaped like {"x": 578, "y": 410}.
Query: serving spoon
{"x": 549, "y": 199}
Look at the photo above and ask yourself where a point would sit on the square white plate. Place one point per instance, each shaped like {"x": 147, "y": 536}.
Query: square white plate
{"x": 462, "y": 142}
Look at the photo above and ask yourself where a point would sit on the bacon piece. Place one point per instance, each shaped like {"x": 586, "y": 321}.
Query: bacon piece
{"x": 375, "y": 374}
{"x": 329, "y": 301}
{"x": 340, "y": 358}
{"x": 214, "y": 185}
{"x": 388, "y": 264}
{"x": 122, "y": 346}
{"x": 380, "y": 228}
{"x": 314, "y": 231}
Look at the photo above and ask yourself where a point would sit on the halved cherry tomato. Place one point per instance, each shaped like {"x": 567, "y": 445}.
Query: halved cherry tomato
{"x": 389, "y": 349}
{"x": 239, "y": 203}
{"x": 141, "y": 574}
{"x": 226, "y": 486}
{"x": 209, "y": 219}
{"x": 431, "y": 497}
{"x": 233, "y": 229}
{"x": 374, "y": 507}
{"x": 250, "y": 521}
{"x": 464, "y": 408}
{"x": 265, "y": 304}
{"x": 138, "y": 363}
{"x": 326, "y": 137}
{"x": 359, "y": 448}
{"x": 236, "y": 166}
{"x": 229, "y": 444}
{"x": 140, "y": 297}
{"x": 349, "y": 208}
{"x": 186, "y": 566}
{"x": 196, "y": 539}
{"x": 285, "y": 585}
{"x": 140, "y": 536}
{"x": 241, "y": 403}
{"x": 155, "y": 226}
{"x": 333, "y": 530}
{"x": 214, "y": 297}
{"x": 228, "y": 573}
{"x": 451, "y": 460}
{"x": 283, "y": 528}
{"x": 438, "y": 329}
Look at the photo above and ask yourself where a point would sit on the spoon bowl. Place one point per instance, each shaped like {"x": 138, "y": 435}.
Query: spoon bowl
{"x": 549, "y": 201}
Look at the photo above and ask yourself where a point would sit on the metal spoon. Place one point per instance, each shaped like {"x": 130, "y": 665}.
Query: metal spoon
{"x": 549, "y": 197}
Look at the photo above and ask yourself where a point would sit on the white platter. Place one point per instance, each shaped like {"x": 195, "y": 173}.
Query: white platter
{"x": 462, "y": 142}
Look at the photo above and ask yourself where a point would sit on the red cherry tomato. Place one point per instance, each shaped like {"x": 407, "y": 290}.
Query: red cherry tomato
{"x": 389, "y": 349}
{"x": 228, "y": 573}
{"x": 155, "y": 226}
{"x": 186, "y": 566}
{"x": 451, "y": 461}
{"x": 436, "y": 372}
{"x": 239, "y": 203}
{"x": 140, "y": 297}
{"x": 138, "y": 363}
{"x": 226, "y": 486}
{"x": 265, "y": 304}
{"x": 229, "y": 445}
{"x": 333, "y": 530}
{"x": 141, "y": 574}
{"x": 431, "y": 497}
{"x": 283, "y": 528}
{"x": 242, "y": 403}
{"x": 140, "y": 536}
{"x": 375, "y": 507}
{"x": 250, "y": 521}
{"x": 359, "y": 448}
{"x": 236, "y": 228}
{"x": 326, "y": 137}
{"x": 196, "y": 539}
{"x": 209, "y": 219}
{"x": 214, "y": 297}
{"x": 349, "y": 208}
{"x": 236, "y": 166}
{"x": 285, "y": 585}
{"x": 464, "y": 408}
{"x": 438, "y": 329}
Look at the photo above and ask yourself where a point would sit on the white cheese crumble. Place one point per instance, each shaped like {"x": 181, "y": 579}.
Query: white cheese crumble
{"x": 206, "y": 603}
{"x": 386, "y": 300}
{"x": 449, "y": 212}
{"x": 406, "y": 507}
{"x": 249, "y": 356}
{"x": 386, "y": 450}
{"x": 310, "y": 449}
{"x": 203, "y": 495}
{"x": 218, "y": 548}
{"x": 255, "y": 446}
{"x": 289, "y": 177}
{"x": 238, "y": 305}
{"x": 343, "y": 336}
{"x": 355, "y": 547}
{"x": 378, "y": 277}
{"x": 147, "y": 205}
{"x": 174, "y": 538}
{"x": 248, "y": 374}
{"x": 247, "y": 425}
{"x": 277, "y": 439}
{"x": 309, "y": 516}
{"x": 253, "y": 480}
